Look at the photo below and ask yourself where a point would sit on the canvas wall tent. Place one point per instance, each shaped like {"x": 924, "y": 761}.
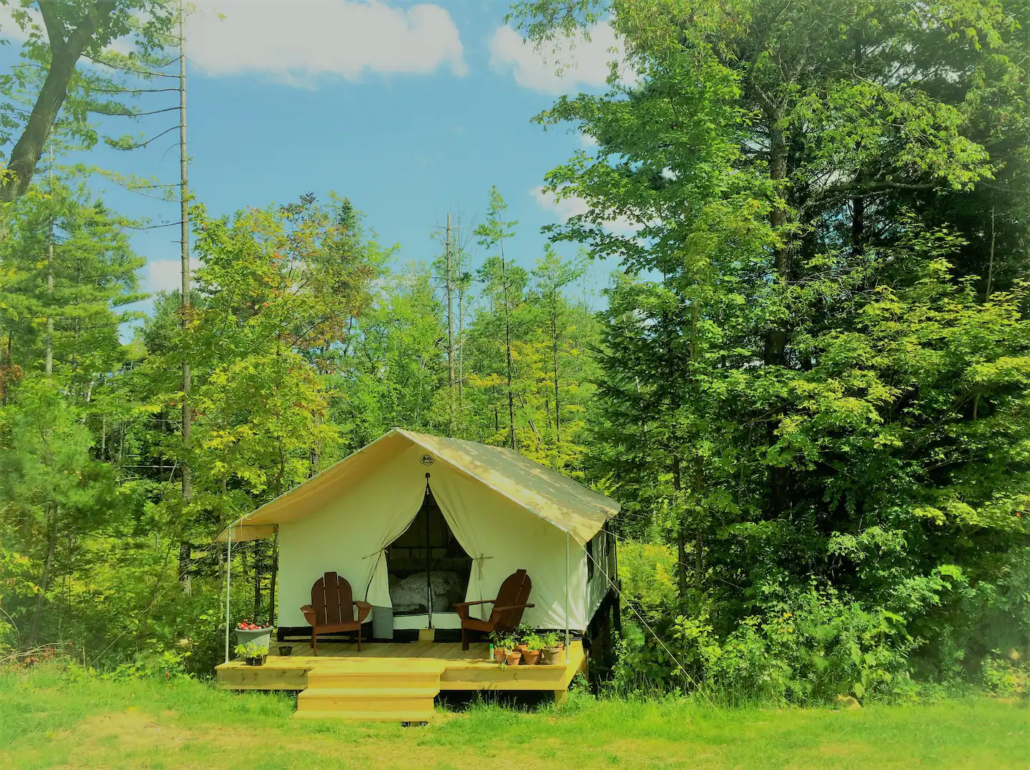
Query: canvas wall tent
{"x": 504, "y": 511}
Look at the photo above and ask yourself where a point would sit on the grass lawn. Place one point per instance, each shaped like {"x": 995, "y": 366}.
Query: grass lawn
{"x": 50, "y": 719}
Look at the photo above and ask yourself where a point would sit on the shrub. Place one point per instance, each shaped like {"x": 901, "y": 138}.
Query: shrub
{"x": 1006, "y": 676}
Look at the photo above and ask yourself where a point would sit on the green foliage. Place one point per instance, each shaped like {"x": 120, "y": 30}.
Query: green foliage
{"x": 250, "y": 650}
{"x": 808, "y": 386}
{"x": 1006, "y": 676}
{"x": 806, "y": 372}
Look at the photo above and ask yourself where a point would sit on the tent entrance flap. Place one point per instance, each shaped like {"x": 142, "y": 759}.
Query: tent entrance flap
{"x": 427, "y": 568}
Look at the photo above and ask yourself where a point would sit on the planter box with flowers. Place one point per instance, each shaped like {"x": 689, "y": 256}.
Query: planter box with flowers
{"x": 252, "y": 633}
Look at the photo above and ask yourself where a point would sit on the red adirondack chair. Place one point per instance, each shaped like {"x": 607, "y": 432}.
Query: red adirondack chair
{"x": 332, "y": 609}
{"x": 507, "y": 612}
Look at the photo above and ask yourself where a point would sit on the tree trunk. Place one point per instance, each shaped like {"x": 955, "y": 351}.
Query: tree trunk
{"x": 184, "y": 299}
{"x": 857, "y": 226}
{"x": 507, "y": 348}
{"x": 776, "y": 339}
{"x": 557, "y": 392}
{"x": 185, "y": 555}
{"x": 272, "y": 578}
{"x": 64, "y": 55}
{"x": 777, "y": 335}
{"x": 257, "y": 579}
{"x": 44, "y": 580}
{"x": 699, "y": 544}
{"x": 681, "y": 530}
{"x": 450, "y": 329}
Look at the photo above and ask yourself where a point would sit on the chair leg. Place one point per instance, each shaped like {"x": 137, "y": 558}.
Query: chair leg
{"x": 314, "y": 641}
{"x": 464, "y": 640}
{"x": 359, "y": 637}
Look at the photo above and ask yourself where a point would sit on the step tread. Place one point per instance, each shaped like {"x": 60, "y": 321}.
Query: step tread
{"x": 368, "y": 692}
{"x": 367, "y": 716}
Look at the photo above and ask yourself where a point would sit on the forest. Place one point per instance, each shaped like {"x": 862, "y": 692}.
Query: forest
{"x": 807, "y": 380}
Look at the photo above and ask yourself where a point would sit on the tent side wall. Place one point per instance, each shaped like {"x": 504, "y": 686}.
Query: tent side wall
{"x": 601, "y": 570}
{"x": 348, "y": 532}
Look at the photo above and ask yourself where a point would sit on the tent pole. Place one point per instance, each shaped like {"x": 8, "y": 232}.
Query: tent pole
{"x": 228, "y": 585}
{"x": 566, "y": 598}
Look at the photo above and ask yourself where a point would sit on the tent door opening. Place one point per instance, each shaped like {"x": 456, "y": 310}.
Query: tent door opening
{"x": 428, "y": 570}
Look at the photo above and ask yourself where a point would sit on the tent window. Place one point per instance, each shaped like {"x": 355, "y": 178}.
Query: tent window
{"x": 428, "y": 569}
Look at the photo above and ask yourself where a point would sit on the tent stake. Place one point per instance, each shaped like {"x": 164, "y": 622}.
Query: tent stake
{"x": 228, "y": 585}
{"x": 566, "y": 598}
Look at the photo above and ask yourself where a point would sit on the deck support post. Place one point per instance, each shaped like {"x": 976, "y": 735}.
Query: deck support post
{"x": 228, "y": 585}
{"x": 561, "y": 697}
{"x": 566, "y": 598}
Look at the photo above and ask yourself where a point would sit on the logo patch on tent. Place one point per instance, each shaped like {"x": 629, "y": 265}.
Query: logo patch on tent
{"x": 427, "y": 460}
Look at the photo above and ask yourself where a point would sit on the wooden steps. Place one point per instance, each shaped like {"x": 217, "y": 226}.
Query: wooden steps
{"x": 394, "y": 682}
{"x": 366, "y": 716}
{"x": 370, "y": 690}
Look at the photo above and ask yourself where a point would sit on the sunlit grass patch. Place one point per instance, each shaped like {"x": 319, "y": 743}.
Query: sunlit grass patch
{"x": 49, "y": 718}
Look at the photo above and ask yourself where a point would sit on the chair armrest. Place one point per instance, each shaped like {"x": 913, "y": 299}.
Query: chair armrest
{"x": 514, "y": 607}
{"x": 309, "y": 615}
{"x": 462, "y": 608}
{"x": 363, "y": 609}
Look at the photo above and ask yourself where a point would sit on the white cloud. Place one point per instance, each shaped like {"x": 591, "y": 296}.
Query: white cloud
{"x": 302, "y": 41}
{"x": 568, "y": 65}
{"x": 164, "y": 275}
{"x": 568, "y": 207}
{"x": 9, "y": 28}
{"x": 587, "y": 141}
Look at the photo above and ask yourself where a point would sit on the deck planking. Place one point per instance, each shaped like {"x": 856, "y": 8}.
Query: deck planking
{"x": 457, "y": 669}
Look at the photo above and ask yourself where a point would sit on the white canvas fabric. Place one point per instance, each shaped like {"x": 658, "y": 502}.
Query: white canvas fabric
{"x": 507, "y": 512}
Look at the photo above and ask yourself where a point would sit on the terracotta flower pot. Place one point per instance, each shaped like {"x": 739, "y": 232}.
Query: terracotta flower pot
{"x": 498, "y": 655}
{"x": 513, "y": 658}
{"x": 553, "y": 656}
{"x": 531, "y": 657}
{"x": 521, "y": 648}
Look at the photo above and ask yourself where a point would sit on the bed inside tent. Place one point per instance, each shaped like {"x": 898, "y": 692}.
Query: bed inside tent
{"x": 427, "y": 569}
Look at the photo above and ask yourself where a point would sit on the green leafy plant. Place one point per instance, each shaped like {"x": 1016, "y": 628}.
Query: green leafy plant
{"x": 1006, "y": 676}
{"x": 250, "y": 650}
{"x": 550, "y": 640}
{"x": 503, "y": 640}
{"x": 533, "y": 641}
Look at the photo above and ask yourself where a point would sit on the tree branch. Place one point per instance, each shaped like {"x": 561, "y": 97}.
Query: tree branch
{"x": 64, "y": 55}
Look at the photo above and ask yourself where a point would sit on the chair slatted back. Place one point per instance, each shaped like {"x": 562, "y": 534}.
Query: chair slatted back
{"x": 514, "y": 590}
{"x": 332, "y": 599}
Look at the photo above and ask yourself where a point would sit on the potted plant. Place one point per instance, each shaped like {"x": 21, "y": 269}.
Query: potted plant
{"x": 512, "y": 657}
{"x": 255, "y": 654}
{"x": 520, "y": 635}
{"x": 551, "y": 647}
{"x": 534, "y": 647}
{"x": 247, "y": 632}
{"x": 502, "y": 643}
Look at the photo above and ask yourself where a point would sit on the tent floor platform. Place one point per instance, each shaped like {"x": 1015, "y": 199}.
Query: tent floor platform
{"x": 391, "y": 682}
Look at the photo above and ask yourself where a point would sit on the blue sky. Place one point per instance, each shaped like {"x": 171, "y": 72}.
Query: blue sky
{"x": 409, "y": 109}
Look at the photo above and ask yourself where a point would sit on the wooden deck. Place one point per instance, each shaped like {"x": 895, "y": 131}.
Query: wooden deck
{"x": 396, "y": 682}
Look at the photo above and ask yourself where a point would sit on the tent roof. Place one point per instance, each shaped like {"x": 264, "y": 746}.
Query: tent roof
{"x": 568, "y": 505}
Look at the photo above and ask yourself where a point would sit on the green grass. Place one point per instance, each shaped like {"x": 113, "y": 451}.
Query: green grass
{"x": 52, "y": 719}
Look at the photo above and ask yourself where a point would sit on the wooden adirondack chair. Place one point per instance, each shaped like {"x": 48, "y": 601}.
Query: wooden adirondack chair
{"x": 332, "y": 609}
{"x": 507, "y": 612}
